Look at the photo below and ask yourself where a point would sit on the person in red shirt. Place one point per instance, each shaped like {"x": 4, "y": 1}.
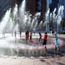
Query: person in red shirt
{"x": 45, "y": 40}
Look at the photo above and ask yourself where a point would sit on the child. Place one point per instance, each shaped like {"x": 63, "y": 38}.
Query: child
{"x": 20, "y": 33}
{"x": 27, "y": 36}
{"x": 40, "y": 37}
{"x": 56, "y": 42}
{"x": 31, "y": 36}
{"x": 15, "y": 33}
{"x": 45, "y": 40}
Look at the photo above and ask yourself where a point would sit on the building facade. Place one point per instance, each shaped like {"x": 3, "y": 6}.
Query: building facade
{"x": 32, "y": 6}
{"x": 54, "y": 4}
{"x": 36, "y": 6}
{"x": 4, "y": 6}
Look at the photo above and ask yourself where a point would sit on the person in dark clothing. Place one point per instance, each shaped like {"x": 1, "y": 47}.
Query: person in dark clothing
{"x": 31, "y": 36}
{"x": 15, "y": 34}
{"x": 20, "y": 33}
{"x": 27, "y": 36}
{"x": 40, "y": 37}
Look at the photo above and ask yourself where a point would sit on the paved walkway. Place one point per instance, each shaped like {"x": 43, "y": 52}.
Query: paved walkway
{"x": 8, "y": 42}
{"x": 7, "y": 58}
{"x": 32, "y": 61}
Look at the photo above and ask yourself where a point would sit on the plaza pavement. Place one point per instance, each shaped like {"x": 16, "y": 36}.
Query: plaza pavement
{"x": 8, "y": 40}
{"x": 32, "y": 61}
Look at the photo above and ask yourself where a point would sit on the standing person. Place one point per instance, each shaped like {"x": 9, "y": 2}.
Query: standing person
{"x": 34, "y": 31}
{"x": 31, "y": 36}
{"x": 40, "y": 37}
{"x": 15, "y": 34}
{"x": 56, "y": 42}
{"x": 20, "y": 33}
{"x": 45, "y": 40}
{"x": 27, "y": 36}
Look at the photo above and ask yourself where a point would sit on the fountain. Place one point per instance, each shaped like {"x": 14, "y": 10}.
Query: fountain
{"x": 47, "y": 20}
{"x": 59, "y": 16}
{"x": 54, "y": 19}
{"x": 4, "y": 23}
{"x": 23, "y": 20}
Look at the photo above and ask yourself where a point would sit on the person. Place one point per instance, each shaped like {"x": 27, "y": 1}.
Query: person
{"x": 27, "y": 36}
{"x": 34, "y": 31}
{"x": 45, "y": 40}
{"x": 40, "y": 37}
{"x": 31, "y": 36}
{"x": 20, "y": 33}
{"x": 15, "y": 33}
{"x": 56, "y": 42}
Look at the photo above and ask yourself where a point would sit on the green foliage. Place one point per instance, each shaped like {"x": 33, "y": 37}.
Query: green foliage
{"x": 61, "y": 32}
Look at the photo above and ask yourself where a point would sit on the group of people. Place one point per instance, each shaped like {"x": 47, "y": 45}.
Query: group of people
{"x": 28, "y": 36}
{"x": 43, "y": 38}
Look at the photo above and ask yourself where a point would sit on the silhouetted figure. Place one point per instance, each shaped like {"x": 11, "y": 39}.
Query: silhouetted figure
{"x": 20, "y": 33}
{"x": 31, "y": 36}
{"x": 40, "y": 37}
{"x": 45, "y": 40}
{"x": 34, "y": 31}
{"x": 15, "y": 34}
{"x": 27, "y": 36}
{"x": 52, "y": 32}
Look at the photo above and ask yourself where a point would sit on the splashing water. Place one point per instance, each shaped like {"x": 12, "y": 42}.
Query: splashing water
{"x": 55, "y": 18}
{"x": 23, "y": 19}
{"x": 4, "y": 22}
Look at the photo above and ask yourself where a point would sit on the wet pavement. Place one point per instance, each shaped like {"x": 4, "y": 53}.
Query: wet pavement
{"x": 10, "y": 49}
{"x": 32, "y": 61}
